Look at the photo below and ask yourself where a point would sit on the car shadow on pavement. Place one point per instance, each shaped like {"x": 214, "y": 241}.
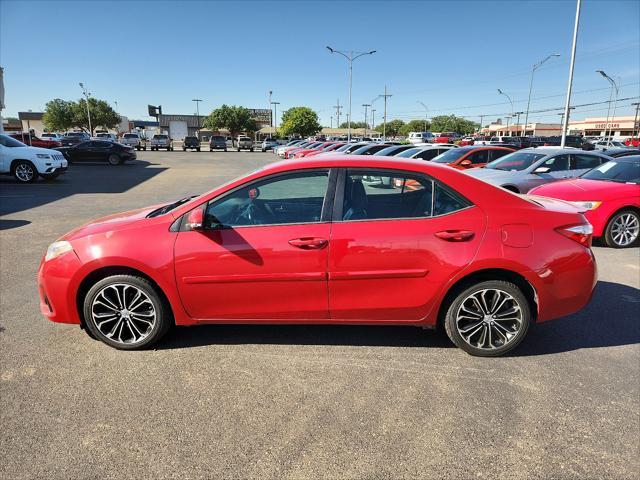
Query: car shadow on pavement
{"x": 610, "y": 319}
{"x": 9, "y": 224}
{"x": 81, "y": 178}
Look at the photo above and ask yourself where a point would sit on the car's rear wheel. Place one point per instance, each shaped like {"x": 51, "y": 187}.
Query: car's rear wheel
{"x": 114, "y": 159}
{"x": 623, "y": 229}
{"x": 24, "y": 171}
{"x": 488, "y": 319}
{"x": 126, "y": 312}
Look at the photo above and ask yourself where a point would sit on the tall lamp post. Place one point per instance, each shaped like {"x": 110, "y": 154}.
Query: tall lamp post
{"x": 350, "y": 57}
{"x": 533, "y": 70}
{"x": 275, "y": 115}
{"x": 567, "y": 102}
{"x": 197, "y": 100}
{"x": 635, "y": 135}
{"x": 373, "y": 119}
{"x": 426, "y": 114}
{"x": 366, "y": 118}
{"x": 500, "y": 92}
{"x": 86, "y": 96}
{"x": 614, "y": 90}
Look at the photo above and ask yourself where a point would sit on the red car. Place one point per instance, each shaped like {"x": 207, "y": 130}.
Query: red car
{"x": 449, "y": 137}
{"x": 632, "y": 142}
{"x": 610, "y": 194}
{"x": 330, "y": 148}
{"x": 293, "y": 151}
{"x": 328, "y": 240}
{"x": 306, "y": 151}
{"x": 472, "y": 156}
{"x": 35, "y": 141}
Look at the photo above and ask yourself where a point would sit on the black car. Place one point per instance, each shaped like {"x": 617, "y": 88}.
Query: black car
{"x": 574, "y": 141}
{"x": 370, "y": 149}
{"x": 523, "y": 142}
{"x": 74, "y": 138}
{"x": 217, "y": 142}
{"x": 99, "y": 151}
{"x": 192, "y": 143}
{"x": 621, "y": 152}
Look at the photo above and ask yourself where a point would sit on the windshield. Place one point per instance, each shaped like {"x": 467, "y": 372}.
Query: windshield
{"x": 161, "y": 137}
{"x": 343, "y": 147}
{"x": 622, "y": 170}
{"x": 10, "y": 142}
{"x": 75, "y": 134}
{"x": 102, "y": 135}
{"x": 218, "y": 138}
{"x": 450, "y": 155}
{"x": 408, "y": 153}
{"x": 515, "y": 161}
{"x": 130, "y": 135}
{"x": 389, "y": 151}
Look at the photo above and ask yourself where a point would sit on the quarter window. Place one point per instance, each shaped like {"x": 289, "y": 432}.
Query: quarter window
{"x": 285, "y": 199}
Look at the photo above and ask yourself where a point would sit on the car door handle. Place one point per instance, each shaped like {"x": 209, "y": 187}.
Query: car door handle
{"x": 309, "y": 243}
{"x": 455, "y": 235}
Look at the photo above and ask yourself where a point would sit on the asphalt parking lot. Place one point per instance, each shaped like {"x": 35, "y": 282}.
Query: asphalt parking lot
{"x": 298, "y": 401}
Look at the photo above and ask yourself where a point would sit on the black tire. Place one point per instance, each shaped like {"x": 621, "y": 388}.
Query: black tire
{"x": 238, "y": 149}
{"x": 225, "y": 149}
{"x": 611, "y": 239}
{"x": 49, "y": 176}
{"x": 144, "y": 148}
{"x": 24, "y": 171}
{"x": 163, "y": 317}
{"x": 517, "y": 298}
{"x": 251, "y": 149}
{"x": 198, "y": 149}
{"x": 115, "y": 159}
{"x": 184, "y": 149}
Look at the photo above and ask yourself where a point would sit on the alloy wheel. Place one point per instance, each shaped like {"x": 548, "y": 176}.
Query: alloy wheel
{"x": 625, "y": 229}
{"x": 489, "y": 319}
{"x": 123, "y": 313}
{"x": 24, "y": 172}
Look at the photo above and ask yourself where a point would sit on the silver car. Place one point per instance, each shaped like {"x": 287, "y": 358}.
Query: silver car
{"x": 527, "y": 168}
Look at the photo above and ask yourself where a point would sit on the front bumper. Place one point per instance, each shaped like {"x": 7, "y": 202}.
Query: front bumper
{"x": 57, "y": 284}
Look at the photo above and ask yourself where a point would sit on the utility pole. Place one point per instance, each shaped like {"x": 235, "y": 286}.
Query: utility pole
{"x": 275, "y": 116}
{"x": 426, "y": 115}
{"x": 481, "y": 117}
{"x": 331, "y": 122}
{"x": 373, "y": 118}
{"x": 635, "y": 122}
{"x": 337, "y": 106}
{"x": 271, "y": 114}
{"x": 365, "y": 105}
{"x": 384, "y": 125}
{"x": 197, "y": 100}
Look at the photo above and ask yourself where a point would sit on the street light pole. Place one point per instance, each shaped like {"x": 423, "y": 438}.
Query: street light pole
{"x": 373, "y": 118}
{"x": 384, "y": 118}
{"x": 614, "y": 90}
{"x": 275, "y": 115}
{"x": 366, "y": 118}
{"x": 635, "y": 122}
{"x": 500, "y": 92}
{"x": 350, "y": 58}
{"x": 86, "y": 96}
{"x": 197, "y": 100}
{"x": 270, "y": 114}
{"x": 426, "y": 115}
{"x": 533, "y": 70}
{"x": 565, "y": 118}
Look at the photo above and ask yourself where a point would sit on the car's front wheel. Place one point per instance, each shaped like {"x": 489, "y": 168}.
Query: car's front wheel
{"x": 488, "y": 319}
{"x": 114, "y": 159}
{"x": 24, "y": 171}
{"x": 126, "y": 312}
{"x": 623, "y": 230}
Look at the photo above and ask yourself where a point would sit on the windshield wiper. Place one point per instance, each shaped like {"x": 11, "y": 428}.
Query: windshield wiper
{"x": 169, "y": 207}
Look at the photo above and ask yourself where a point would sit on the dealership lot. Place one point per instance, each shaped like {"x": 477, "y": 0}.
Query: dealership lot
{"x": 298, "y": 401}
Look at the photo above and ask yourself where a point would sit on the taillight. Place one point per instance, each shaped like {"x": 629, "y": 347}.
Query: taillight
{"x": 580, "y": 233}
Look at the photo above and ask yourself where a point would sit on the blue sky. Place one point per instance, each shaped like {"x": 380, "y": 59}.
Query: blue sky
{"x": 450, "y": 55}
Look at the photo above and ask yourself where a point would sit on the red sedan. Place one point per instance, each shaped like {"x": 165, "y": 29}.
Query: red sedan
{"x": 328, "y": 241}
{"x": 610, "y": 194}
{"x": 330, "y": 148}
{"x": 306, "y": 151}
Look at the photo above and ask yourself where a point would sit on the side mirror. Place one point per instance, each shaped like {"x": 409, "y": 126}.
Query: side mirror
{"x": 195, "y": 219}
{"x": 542, "y": 170}
{"x": 465, "y": 163}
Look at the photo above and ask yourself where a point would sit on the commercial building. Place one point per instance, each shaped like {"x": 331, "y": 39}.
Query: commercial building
{"x": 535, "y": 129}
{"x": 621, "y": 127}
{"x": 180, "y": 126}
{"x": 32, "y": 121}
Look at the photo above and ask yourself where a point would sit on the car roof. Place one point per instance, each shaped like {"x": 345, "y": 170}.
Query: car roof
{"x": 483, "y": 147}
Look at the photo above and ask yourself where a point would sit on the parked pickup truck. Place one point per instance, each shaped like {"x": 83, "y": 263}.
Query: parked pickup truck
{"x": 192, "y": 143}
{"x": 161, "y": 141}
{"x": 244, "y": 143}
{"x": 134, "y": 140}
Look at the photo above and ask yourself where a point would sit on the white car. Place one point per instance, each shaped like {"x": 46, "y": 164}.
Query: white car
{"x": 54, "y": 137}
{"x": 280, "y": 151}
{"x": 27, "y": 163}
{"x": 420, "y": 137}
{"x": 109, "y": 137}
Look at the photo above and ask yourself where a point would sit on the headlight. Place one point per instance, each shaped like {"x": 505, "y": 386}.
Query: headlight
{"x": 42, "y": 155}
{"x": 587, "y": 205}
{"x": 56, "y": 249}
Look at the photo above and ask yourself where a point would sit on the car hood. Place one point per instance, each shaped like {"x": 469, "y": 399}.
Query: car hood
{"x": 585, "y": 189}
{"x": 491, "y": 175}
{"x": 28, "y": 151}
{"x": 117, "y": 221}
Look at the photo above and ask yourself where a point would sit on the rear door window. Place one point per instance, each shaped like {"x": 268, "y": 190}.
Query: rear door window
{"x": 582, "y": 161}
{"x": 557, "y": 163}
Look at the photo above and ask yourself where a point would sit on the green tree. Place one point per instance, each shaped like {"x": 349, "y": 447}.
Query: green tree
{"x": 234, "y": 118}
{"x": 301, "y": 121}
{"x": 392, "y": 128}
{"x": 451, "y": 123}
{"x": 415, "y": 126}
{"x": 354, "y": 125}
{"x": 64, "y": 115}
{"x": 58, "y": 115}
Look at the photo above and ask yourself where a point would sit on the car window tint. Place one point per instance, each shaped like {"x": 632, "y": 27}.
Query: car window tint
{"x": 481, "y": 156}
{"x": 447, "y": 201}
{"x": 583, "y": 161}
{"x": 495, "y": 154}
{"x": 285, "y": 199}
{"x": 557, "y": 163}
